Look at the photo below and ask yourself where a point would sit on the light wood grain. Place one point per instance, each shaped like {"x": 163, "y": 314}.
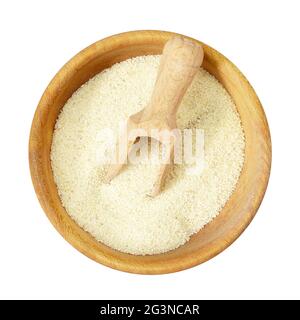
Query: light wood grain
{"x": 239, "y": 209}
{"x": 180, "y": 60}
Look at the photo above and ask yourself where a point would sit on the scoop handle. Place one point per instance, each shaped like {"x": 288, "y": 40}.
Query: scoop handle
{"x": 181, "y": 58}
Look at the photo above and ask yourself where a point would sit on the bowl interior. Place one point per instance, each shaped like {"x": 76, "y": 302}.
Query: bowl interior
{"x": 238, "y": 211}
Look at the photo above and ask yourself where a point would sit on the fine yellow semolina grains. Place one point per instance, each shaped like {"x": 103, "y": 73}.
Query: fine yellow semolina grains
{"x": 120, "y": 214}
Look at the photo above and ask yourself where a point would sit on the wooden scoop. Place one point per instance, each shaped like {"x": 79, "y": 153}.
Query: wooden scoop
{"x": 181, "y": 58}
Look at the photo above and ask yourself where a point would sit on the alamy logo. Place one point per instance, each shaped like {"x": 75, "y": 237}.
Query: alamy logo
{"x": 177, "y": 146}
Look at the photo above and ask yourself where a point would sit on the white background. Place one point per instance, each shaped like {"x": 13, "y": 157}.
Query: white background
{"x": 260, "y": 37}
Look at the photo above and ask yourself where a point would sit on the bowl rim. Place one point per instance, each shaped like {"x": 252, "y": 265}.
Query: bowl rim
{"x": 218, "y": 245}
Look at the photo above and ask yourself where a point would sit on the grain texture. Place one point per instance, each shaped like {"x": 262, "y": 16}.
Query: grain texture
{"x": 238, "y": 211}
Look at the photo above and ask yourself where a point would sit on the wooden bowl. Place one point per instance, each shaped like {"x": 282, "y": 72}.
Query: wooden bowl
{"x": 239, "y": 209}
